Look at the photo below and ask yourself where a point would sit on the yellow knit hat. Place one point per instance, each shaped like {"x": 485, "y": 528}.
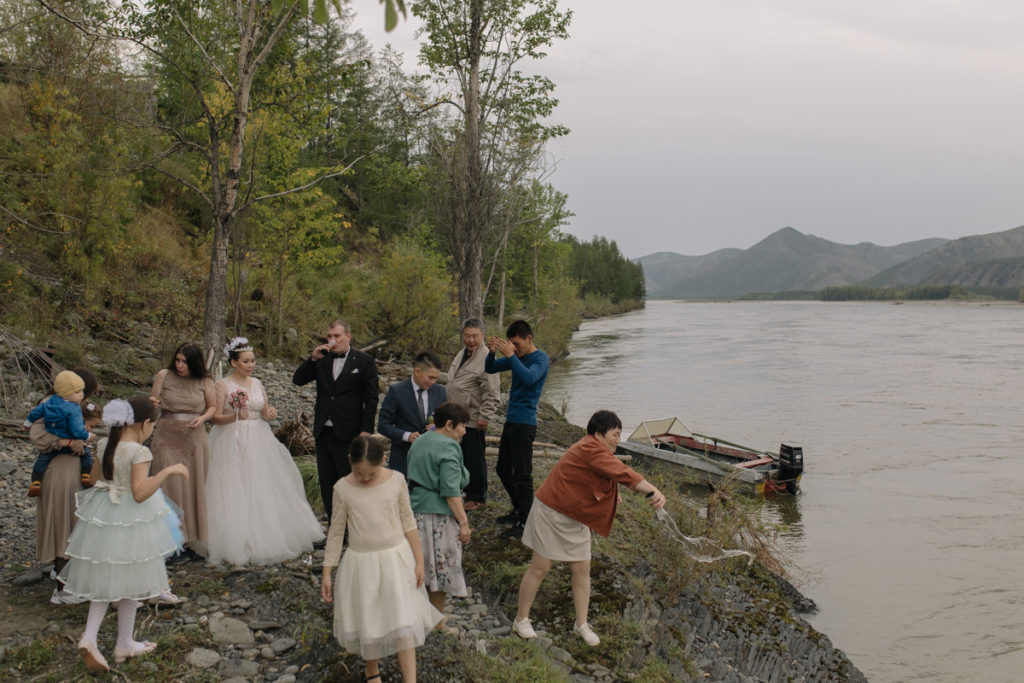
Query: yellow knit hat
{"x": 67, "y": 383}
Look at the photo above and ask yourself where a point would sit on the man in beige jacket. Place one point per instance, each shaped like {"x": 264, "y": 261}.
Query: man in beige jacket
{"x": 470, "y": 385}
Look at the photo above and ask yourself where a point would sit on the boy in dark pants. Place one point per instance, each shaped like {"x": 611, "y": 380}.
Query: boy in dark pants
{"x": 529, "y": 366}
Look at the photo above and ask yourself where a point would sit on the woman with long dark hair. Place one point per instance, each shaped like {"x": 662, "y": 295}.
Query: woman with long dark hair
{"x": 187, "y": 400}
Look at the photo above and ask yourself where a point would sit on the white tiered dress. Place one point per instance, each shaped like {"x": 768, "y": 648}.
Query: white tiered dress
{"x": 118, "y": 546}
{"x": 378, "y": 610}
{"x": 257, "y": 512}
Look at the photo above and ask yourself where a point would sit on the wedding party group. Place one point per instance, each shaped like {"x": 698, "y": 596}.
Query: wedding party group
{"x": 163, "y": 488}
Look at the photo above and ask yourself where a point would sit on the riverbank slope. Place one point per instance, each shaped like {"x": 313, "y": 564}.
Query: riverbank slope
{"x": 661, "y": 615}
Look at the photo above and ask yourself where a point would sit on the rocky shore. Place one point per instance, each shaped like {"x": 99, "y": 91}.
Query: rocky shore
{"x": 659, "y": 619}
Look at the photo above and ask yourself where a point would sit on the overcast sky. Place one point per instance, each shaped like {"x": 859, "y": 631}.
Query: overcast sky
{"x": 703, "y": 124}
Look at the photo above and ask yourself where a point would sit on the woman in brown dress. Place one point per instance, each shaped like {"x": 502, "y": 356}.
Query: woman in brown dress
{"x": 185, "y": 394}
{"x": 55, "y": 506}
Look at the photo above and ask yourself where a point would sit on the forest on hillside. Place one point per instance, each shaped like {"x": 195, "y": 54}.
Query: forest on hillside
{"x": 258, "y": 168}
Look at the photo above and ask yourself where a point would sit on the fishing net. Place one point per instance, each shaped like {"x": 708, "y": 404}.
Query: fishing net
{"x": 701, "y": 549}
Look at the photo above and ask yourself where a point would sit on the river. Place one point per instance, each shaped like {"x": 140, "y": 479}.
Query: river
{"x": 908, "y": 532}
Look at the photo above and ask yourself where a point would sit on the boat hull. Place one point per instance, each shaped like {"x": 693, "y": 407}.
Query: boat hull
{"x": 702, "y": 469}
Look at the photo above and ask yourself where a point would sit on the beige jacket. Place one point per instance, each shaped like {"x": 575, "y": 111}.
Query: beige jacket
{"x": 471, "y": 386}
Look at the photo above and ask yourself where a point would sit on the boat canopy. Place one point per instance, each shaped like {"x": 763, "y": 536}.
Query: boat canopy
{"x": 649, "y": 429}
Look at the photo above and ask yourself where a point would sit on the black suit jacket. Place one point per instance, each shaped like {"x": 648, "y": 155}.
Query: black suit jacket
{"x": 350, "y": 402}
{"x": 400, "y": 414}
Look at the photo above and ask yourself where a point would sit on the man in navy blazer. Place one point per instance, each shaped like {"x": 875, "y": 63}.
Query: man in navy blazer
{"x": 346, "y": 403}
{"x": 407, "y": 407}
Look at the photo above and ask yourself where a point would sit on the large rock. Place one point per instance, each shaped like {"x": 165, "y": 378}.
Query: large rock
{"x": 238, "y": 668}
{"x": 228, "y": 630}
{"x": 201, "y": 658}
{"x": 282, "y": 645}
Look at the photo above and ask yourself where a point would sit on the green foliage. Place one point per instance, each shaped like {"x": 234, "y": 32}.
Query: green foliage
{"x": 311, "y": 482}
{"x": 517, "y": 661}
{"x": 917, "y": 293}
{"x": 483, "y": 156}
{"x": 655, "y": 671}
{"x": 602, "y": 270}
{"x": 64, "y": 209}
{"x": 108, "y": 200}
{"x": 321, "y": 11}
{"x": 408, "y": 298}
{"x": 34, "y": 656}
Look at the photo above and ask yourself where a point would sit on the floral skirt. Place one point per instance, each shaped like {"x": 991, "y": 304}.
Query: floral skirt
{"x": 442, "y": 554}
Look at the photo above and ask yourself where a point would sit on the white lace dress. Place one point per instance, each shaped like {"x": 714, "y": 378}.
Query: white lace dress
{"x": 257, "y": 510}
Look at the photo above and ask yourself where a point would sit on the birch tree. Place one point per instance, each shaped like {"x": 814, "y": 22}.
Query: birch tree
{"x": 474, "y": 50}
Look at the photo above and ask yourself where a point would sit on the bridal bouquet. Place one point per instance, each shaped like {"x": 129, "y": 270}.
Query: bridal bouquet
{"x": 238, "y": 400}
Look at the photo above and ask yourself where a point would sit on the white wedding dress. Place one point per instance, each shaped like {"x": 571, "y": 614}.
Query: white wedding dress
{"x": 256, "y": 504}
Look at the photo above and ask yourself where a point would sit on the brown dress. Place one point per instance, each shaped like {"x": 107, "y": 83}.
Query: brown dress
{"x": 55, "y": 506}
{"x": 181, "y": 401}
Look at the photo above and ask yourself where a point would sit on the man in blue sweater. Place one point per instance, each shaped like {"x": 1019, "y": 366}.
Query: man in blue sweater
{"x": 529, "y": 366}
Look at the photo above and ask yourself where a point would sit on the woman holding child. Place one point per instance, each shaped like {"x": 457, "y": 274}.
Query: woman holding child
{"x": 55, "y": 506}
{"x": 186, "y": 397}
{"x": 256, "y": 503}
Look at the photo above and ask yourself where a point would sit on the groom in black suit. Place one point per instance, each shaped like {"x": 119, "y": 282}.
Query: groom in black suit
{"x": 408, "y": 406}
{"x": 346, "y": 403}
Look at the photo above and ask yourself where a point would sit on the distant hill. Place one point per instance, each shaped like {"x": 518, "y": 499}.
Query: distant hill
{"x": 784, "y": 261}
{"x": 968, "y": 261}
{"x": 663, "y": 269}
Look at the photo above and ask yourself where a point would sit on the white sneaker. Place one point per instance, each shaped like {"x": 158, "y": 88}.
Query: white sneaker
{"x": 524, "y": 629}
{"x": 62, "y": 597}
{"x": 589, "y": 637}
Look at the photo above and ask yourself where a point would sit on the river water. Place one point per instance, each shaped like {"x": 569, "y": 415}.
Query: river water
{"x": 909, "y": 531}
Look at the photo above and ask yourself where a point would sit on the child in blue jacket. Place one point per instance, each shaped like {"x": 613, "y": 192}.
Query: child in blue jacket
{"x": 62, "y": 417}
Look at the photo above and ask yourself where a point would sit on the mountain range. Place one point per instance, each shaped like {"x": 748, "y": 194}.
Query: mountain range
{"x": 789, "y": 260}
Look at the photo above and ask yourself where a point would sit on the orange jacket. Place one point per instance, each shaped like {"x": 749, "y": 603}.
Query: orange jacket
{"x": 583, "y": 484}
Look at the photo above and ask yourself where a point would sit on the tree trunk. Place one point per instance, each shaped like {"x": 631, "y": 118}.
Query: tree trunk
{"x": 501, "y": 300}
{"x": 214, "y": 332}
{"x": 280, "y": 301}
{"x": 536, "y": 286}
{"x": 471, "y": 303}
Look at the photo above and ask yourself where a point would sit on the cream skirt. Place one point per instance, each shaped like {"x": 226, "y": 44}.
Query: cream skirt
{"x": 555, "y": 536}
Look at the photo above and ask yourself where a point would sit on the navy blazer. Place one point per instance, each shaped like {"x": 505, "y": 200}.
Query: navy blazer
{"x": 400, "y": 414}
{"x": 350, "y": 402}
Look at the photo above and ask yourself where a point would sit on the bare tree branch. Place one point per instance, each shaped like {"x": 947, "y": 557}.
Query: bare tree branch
{"x": 28, "y": 224}
{"x": 209, "y": 60}
{"x": 308, "y": 185}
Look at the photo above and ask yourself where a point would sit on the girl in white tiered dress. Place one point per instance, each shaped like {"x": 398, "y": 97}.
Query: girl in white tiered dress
{"x": 124, "y": 531}
{"x": 257, "y": 512}
{"x": 381, "y": 604}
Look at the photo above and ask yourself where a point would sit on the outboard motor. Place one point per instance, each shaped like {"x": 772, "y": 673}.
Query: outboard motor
{"x": 791, "y": 465}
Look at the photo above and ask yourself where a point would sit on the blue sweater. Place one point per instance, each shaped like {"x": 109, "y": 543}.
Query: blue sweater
{"x": 62, "y": 418}
{"x": 528, "y": 375}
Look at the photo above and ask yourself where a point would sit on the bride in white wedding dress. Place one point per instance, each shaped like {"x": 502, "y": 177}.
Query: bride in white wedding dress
{"x": 256, "y": 504}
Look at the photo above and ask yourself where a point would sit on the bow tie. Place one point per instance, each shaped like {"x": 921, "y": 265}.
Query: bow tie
{"x": 340, "y": 355}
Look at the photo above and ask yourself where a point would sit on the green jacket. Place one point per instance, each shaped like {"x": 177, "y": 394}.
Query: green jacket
{"x": 435, "y": 464}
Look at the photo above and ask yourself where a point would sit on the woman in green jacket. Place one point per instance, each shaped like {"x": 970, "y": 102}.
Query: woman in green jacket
{"x": 436, "y": 479}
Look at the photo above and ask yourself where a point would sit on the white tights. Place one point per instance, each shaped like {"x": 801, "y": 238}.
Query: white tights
{"x": 126, "y": 609}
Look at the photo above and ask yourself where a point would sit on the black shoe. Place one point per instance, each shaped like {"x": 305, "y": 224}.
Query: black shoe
{"x": 178, "y": 557}
{"x": 514, "y": 531}
{"x": 510, "y": 518}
